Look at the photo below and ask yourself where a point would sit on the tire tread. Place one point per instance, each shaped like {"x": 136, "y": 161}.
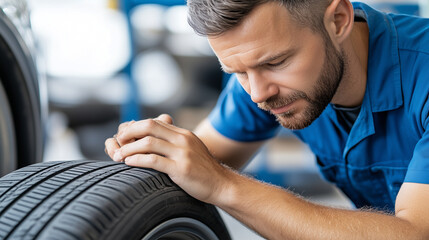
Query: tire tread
{"x": 76, "y": 199}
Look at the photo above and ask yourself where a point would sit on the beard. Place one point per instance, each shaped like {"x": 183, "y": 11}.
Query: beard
{"x": 326, "y": 86}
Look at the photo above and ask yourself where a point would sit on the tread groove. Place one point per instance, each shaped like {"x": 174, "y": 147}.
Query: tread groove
{"x": 68, "y": 232}
{"x": 136, "y": 190}
{"x": 82, "y": 192}
{"x": 97, "y": 208}
{"x": 107, "y": 198}
{"x": 24, "y": 194}
{"x": 97, "y": 229}
{"x": 70, "y": 182}
{"x": 34, "y": 185}
{"x": 23, "y": 179}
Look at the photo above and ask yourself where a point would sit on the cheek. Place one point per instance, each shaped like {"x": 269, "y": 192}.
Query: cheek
{"x": 312, "y": 63}
{"x": 302, "y": 74}
{"x": 294, "y": 78}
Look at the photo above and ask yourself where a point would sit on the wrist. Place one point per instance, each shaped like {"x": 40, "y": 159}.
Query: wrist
{"x": 228, "y": 196}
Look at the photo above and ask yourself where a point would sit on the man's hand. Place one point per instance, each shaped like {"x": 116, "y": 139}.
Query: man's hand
{"x": 112, "y": 144}
{"x": 157, "y": 144}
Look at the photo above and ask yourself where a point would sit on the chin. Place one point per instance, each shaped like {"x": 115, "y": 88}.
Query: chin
{"x": 293, "y": 122}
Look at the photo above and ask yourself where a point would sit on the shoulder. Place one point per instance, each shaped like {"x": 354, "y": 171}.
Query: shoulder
{"x": 413, "y": 49}
{"x": 412, "y": 33}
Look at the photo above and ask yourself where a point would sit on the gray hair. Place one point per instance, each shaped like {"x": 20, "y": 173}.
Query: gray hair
{"x": 214, "y": 17}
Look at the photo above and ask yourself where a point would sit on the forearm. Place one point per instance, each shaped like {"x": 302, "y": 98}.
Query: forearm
{"x": 278, "y": 214}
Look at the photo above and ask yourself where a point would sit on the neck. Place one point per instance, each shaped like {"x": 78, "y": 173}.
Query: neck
{"x": 351, "y": 90}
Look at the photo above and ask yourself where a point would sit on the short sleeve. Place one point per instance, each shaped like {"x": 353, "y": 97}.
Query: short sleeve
{"x": 418, "y": 169}
{"x": 236, "y": 117}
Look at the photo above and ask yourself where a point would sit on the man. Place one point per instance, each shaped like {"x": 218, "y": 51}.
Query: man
{"x": 352, "y": 83}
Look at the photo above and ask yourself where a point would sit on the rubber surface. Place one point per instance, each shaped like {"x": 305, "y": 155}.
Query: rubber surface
{"x": 8, "y": 160}
{"x": 20, "y": 80}
{"x": 94, "y": 200}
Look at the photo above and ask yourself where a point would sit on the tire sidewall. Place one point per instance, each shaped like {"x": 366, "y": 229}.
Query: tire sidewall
{"x": 7, "y": 136}
{"x": 151, "y": 213}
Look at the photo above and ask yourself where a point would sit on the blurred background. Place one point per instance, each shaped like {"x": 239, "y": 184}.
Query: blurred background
{"x": 110, "y": 61}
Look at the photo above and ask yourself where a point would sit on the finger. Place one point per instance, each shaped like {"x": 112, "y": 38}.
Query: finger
{"x": 121, "y": 127}
{"x": 153, "y": 161}
{"x": 141, "y": 129}
{"x": 165, "y": 118}
{"x": 145, "y": 145}
{"x": 181, "y": 136}
{"x": 124, "y": 125}
{"x": 171, "y": 126}
{"x": 111, "y": 146}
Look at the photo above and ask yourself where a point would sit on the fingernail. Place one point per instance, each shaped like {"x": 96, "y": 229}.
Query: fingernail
{"x": 117, "y": 156}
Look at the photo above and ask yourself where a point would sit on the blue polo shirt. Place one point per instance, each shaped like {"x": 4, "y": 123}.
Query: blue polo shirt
{"x": 389, "y": 141}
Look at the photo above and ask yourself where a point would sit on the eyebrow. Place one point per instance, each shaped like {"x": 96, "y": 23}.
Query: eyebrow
{"x": 286, "y": 54}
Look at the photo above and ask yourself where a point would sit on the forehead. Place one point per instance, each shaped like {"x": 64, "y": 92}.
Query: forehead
{"x": 269, "y": 26}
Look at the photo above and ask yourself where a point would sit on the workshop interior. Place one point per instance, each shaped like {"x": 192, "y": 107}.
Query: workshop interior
{"x": 99, "y": 63}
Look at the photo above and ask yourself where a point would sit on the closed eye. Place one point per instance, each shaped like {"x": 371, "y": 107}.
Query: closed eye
{"x": 276, "y": 64}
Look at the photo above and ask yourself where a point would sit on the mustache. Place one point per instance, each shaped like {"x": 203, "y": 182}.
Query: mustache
{"x": 278, "y": 101}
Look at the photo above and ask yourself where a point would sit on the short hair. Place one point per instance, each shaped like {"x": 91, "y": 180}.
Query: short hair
{"x": 214, "y": 17}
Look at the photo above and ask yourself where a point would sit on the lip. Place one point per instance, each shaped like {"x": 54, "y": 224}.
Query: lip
{"x": 283, "y": 109}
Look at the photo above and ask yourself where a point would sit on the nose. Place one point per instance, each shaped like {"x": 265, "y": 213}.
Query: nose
{"x": 261, "y": 88}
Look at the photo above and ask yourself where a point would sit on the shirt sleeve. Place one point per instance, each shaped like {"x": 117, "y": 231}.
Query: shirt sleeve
{"x": 236, "y": 117}
{"x": 418, "y": 169}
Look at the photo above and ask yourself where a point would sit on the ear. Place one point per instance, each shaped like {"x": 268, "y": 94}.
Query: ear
{"x": 339, "y": 19}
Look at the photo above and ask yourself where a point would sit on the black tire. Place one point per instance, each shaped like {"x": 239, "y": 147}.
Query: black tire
{"x": 101, "y": 200}
{"x": 8, "y": 161}
{"x": 25, "y": 91}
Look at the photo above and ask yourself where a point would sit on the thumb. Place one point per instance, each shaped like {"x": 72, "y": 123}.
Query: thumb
{"x": 165, "y": 118}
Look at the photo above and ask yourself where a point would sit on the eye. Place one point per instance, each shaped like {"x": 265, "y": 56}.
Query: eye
{"x": 276, "y": 64}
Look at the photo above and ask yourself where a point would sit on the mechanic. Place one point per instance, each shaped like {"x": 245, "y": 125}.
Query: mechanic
{"x": 350, "y": 81}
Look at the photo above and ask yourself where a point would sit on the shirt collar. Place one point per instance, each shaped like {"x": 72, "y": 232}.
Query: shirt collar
{"x": 384, "y": 87}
